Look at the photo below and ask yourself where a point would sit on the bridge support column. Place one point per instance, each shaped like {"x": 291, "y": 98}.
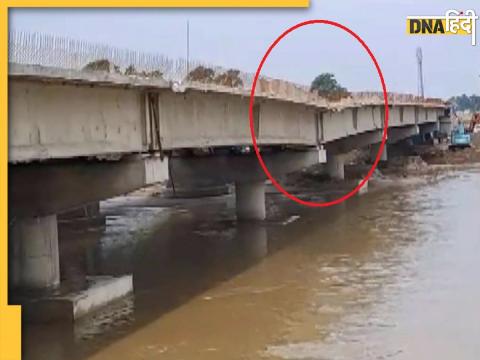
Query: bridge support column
{"x": 35, "y": 271}
{"x": 374, "y": 151}
{"x": 427, "y": 131}
{"x": 250, "y": 200}
{"x": 35, "y": 260}
{"x": 336, "y": 166}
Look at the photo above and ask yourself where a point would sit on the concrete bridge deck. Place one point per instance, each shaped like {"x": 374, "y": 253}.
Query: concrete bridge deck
{"x": 56, "y": 113}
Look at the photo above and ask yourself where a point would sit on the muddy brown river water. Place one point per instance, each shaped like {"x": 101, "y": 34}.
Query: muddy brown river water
{"x": 394, "y": 274}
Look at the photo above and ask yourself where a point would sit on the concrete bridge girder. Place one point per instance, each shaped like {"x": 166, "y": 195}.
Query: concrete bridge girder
{"x": 336, "y": 125}
{"x": 240, "y": 168}
{"x": 61, "y": 186}
{"x": 65, "y": 120}
{"x": 347, "y": 144}
{"x": 284, "y": 123}
{"x": 57, "y": 121}
{"x": 367, "y": 119}
{"x": 428, "y": 115}
{"x": 362, "y": 140}
{"x": 372, "y": 139}
{"x": 396, "y": 134}
{"x": 195, "y": 119}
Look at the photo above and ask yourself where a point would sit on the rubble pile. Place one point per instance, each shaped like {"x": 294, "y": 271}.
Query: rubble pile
{"x": 333, "y": 95}
{"x": 104, "y": 65}
{"x": 201, "y": 74}
{"x": 452, "y": 157}
{"x": 130, "y": 70}
{"x": 408, "y": 164}
{"x": 230, "y": 78}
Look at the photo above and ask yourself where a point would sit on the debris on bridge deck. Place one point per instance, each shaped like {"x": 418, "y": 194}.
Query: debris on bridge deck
{"x": 229, "y": 78}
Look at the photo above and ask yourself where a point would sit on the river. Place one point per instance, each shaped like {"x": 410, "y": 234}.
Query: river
{"x": 393, "y": 274}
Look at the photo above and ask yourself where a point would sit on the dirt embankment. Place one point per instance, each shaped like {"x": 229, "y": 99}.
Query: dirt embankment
{"x": 411, "y": 162}
{"x": 430, "y": 160}
{"x": 436, "y": 156}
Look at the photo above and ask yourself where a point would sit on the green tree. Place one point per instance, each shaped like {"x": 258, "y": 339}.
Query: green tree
{"x": 465, "y": 102}
{"x": 326, "y": 83}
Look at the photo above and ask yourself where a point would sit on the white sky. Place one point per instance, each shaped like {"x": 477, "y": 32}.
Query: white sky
{"x": 238, "y": 38}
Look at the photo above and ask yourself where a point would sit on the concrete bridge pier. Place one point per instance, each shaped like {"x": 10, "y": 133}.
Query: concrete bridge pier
{"x": 427, "y": 131}
{"x": 35, "y": 209}
{"x": 336, "y": 166}
{"x": 250, "y": 200}
{"x": 35, "y": 257}
{"x": 374, "y": 148}
{"x": 445, "y": 125}
{"x": 35, "y": 272}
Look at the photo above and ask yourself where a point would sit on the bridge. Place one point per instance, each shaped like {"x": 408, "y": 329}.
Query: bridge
{"x": 79, "y": 137}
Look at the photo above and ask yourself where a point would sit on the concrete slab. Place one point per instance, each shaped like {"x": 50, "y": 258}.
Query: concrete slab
{"x": 101, "y": 291}
{"x": 61, "y": 114}
{"x": 364, "y": 189}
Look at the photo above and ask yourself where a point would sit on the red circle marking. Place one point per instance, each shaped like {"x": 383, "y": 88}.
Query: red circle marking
{"x": 252, "y": 101}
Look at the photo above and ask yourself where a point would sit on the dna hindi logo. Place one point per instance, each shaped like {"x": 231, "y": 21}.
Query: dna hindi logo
{"x": 454, "y": 22}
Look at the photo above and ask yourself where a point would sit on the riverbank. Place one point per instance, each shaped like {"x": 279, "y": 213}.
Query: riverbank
{"x": 409, "y": 166}
{"x": 442, "y": 156}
